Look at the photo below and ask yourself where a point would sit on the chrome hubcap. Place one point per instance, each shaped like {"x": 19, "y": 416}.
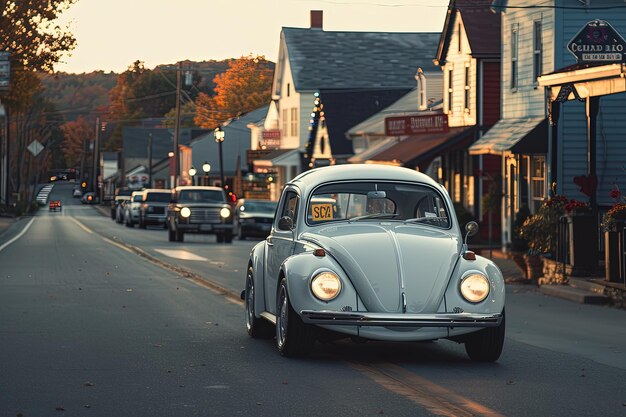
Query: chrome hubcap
{"x": 282, "y": 318}
{"x": 249, "y": 301}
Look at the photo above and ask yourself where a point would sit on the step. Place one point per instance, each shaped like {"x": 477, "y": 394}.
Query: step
{"x": 585, "y": 284}
{"x": 574, "y": 294}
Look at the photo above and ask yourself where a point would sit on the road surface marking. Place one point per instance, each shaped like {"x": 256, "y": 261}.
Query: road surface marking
{"x": 181, "y": 254}
{"x": 19, "y": 235}
{"x": 82, "y": 226}
{"x": 436, "y": 399}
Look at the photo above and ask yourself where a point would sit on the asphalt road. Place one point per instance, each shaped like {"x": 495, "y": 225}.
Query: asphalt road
{"x": 90, "y": 328}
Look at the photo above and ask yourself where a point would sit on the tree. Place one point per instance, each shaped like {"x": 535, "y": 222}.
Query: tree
{"x": 77, "y": 134}
{"x": 245, "y": 86}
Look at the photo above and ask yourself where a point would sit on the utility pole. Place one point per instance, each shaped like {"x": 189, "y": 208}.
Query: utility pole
{"x": 96, "y": 157}
{"x": 179, "y": 70}
{"x": 149, "y": 160}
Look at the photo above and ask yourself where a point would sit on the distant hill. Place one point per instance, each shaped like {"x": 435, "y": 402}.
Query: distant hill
{"x": 83, "y": 94}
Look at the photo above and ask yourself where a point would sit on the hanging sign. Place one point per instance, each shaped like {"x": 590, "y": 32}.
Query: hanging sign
{"x": 5, "y": 71}
{"x": 414, "y": 125}
{"x": 597, "y": 41}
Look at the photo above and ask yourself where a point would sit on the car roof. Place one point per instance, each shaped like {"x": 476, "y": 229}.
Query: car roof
{"x": 196, "y": 187}
{"x": 157, "y": 190}
{"x": 358, "y": 172}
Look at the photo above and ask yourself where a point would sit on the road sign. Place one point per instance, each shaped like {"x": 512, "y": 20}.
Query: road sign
{"x": 597, "y": 41}
{"x": 35, "y": 147}
{"x": 5, "y": 70}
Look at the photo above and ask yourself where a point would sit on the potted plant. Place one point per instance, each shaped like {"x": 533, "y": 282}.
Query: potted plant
{"x": 613, "y": 226}
{"x": 540, "y": 231}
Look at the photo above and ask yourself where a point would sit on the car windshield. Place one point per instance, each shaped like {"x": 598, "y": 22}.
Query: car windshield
{"x": 362, "y": 201}
{"x": 159, "y": 197}
{"x": 258, "y": 207}
{"x": 137, "y": 198}
{"x": 201, "y": 196}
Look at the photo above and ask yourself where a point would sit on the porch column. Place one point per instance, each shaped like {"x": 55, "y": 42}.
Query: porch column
{"x": 554, "y": 113}
{"x": 592, "y": 105}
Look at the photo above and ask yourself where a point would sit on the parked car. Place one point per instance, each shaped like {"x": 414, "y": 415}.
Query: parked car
{"x": 254, "y": 217}
{"x": 153, "y": 207}
{"x": 121, "y": 208}
{"x": 131, "y": 209}
{"x": 371, "y": 252}
{"x": 77, "y": 192}
{"x": 120, "y": 196}
{"x": 199, "y": 210}
{"x": 89, "y": 198}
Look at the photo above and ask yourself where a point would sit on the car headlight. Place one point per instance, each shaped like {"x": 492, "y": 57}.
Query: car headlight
{"x": 326, "y": 285}
{"x": 225, "y": 212}
{"x": 475, "y": 288}
{"x": 185, "y": 212}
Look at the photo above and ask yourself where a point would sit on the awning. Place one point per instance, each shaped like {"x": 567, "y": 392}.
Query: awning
{"x": 279, "y": 157}
{"x": 417, "y": 150}
{"x": 520, "y": 136}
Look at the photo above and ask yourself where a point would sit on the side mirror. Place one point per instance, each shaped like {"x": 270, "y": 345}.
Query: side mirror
{"x": 471, "y": 228}
{"x": 285, "y": 223}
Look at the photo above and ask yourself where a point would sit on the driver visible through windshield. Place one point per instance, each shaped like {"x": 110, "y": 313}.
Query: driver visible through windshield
{"x": 361, "y": 201}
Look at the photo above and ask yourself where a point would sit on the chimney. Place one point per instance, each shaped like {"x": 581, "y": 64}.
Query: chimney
{"x": 317, "y": 19}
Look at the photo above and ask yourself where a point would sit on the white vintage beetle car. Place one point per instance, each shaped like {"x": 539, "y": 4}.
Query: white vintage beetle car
{"x": 373, "y": 252}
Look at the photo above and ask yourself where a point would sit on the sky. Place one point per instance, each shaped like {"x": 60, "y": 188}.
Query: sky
{"x": 112, "y": 34}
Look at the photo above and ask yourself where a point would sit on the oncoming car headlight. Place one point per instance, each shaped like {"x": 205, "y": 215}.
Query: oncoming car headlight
{"x": 185, "y": 212}
{"x": 225, "y": 212}
{"x": 475, "y": 288}
{"x": 326, "y": 285}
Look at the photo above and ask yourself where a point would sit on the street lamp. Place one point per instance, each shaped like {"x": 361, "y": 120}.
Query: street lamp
{"x": 219, "y": 138}
{"x": 206, "y": 167}
{"x": 192, "y": 173}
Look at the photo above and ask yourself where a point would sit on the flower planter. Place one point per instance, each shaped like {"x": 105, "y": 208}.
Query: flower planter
{"x": 553, "y": 272}
{"x": 583, "y": 235}
{"x": 534, "y": 267}
{"x": 612, "y": 256}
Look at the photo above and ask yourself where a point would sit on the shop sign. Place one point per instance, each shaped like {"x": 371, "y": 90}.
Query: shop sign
{"x": 597, "y": 41}
{"x": 414, "y": 125}
{"x": 252, "y": 155}
{"x": 270, "y": 139}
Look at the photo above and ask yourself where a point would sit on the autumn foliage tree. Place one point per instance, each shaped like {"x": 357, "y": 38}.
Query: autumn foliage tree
{"x": 77, "y": 134}
{"x": 36, "y": 42}
{"x": 244, "y": 86}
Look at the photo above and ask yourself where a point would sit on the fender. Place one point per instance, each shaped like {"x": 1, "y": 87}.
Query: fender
{"x": 300, "y": 269}
{"x": 257, "y": 262}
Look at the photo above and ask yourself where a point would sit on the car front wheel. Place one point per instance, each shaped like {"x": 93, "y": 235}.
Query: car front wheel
{"x": 258, "y": 328}
{"x": 293, "y": 337}
{"x": 486, "y": 345}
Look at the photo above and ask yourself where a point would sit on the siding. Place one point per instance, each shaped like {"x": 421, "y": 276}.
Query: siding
{"x": 457, "y": 61}
{"x": 491, "y": 93}
{"x": 527, "y": 100}
{"x": 610, "y": 147}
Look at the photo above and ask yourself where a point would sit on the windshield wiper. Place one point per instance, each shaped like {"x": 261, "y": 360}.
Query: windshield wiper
{"x": 374, "y": 216}
{"x": 427, "y": 219}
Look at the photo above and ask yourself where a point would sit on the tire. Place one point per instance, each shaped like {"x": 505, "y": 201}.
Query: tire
{"x": 293, "y": 337}
{"x": 180, "y": 235}
{"x": 142, "y": 223}
{"x": 220, "y": 238}
{"x": 486, "y": 345}
{"x": 171, "y": 235}
{"x": 240, "y": 234}
{"x": 257, "y": 328}
{"x": 228, "y": 237}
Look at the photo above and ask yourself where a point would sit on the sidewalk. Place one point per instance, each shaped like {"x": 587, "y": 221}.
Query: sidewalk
{"x": 5, "y": 222}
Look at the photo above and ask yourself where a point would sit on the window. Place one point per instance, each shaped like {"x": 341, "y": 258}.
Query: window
{"x": 290, "y": 206}
{"x": 537, "y": 51}
{"x": 450, "y": 92}
{"x": 460, "y": 37}
{"x": 285, "y": 122}
{"x": 537, "y": 180}
{"x": 514, "y": 69}
{"x": 294, "y": 121}
{"x": 467, "y": 88}
{"x": 288, "y": 89}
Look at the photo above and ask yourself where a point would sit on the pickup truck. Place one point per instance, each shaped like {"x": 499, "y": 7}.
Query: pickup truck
{"x": 202, "y": 210}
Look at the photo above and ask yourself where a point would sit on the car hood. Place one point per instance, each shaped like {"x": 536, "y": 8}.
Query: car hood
{"x": 256, "y": 214}
{"x": 391, "y": 264}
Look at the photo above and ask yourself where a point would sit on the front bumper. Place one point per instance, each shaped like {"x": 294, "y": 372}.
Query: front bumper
{"x": 450, "y": 320}
{"x": 208, "y": 228}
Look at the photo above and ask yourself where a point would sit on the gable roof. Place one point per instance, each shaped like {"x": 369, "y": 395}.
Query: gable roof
{"x": 344, "y": 109}
{"x": 330, "y": 60}
{"x": 481, "y": 24}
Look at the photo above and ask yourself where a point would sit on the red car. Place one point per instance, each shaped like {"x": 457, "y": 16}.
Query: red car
{"x": 55, "y": 204}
